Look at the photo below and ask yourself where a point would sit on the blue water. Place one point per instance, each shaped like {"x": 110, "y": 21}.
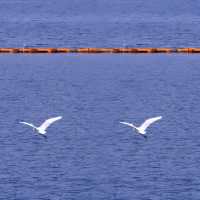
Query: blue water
{"x": 99, "y": 23}
{"x": 88, "y": 154}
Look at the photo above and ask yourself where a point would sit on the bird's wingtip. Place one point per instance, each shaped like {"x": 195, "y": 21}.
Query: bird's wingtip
{"x": 58, "y": 117}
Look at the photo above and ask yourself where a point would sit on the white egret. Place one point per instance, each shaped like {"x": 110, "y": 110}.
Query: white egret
{"x": 42, "y": 128}
{"x": 142, "y": 129}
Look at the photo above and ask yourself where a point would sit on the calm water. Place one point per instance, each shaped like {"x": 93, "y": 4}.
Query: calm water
{"x": 99, "y": 23}
{"x": 88, "y": 154}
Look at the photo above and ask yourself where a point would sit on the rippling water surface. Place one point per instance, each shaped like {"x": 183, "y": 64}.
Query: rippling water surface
{"x": 88, "y": 154}
{"x": 99, "y": 23}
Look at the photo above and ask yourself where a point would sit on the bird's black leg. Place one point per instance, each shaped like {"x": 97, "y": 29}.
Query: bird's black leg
{"x": 145, "y": 137}
{"x": 44, "y": 136}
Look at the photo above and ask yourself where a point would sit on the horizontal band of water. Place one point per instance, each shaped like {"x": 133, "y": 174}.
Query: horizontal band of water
{"x": 99, "y": 50}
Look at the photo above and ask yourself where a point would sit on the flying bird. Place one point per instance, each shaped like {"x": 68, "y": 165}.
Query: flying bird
{"x": 142, "y": 129}
{"x": 43, "y": 127}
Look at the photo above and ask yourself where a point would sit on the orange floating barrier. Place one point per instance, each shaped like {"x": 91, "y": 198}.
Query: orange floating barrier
{"x": 125, "y": 50}
{"x": 81, "y": 50}
{"x": 144, "y": 50}
{"x": 94, "y": 50}
{"x": 51, "y": 50}
{"x": 45, "y": 50}
{"x": 190, "y": 50}
{"x": 8, "y": 50}
{"x": 195, "y": 50}
{"x": 100, "y": 50}
{"x": 14, "y": 50}
{"x": 162, "y": 50}
{"x": 182, "y": 50}
{"x": 27, "y": 50}
{"x": 63, "y": 50}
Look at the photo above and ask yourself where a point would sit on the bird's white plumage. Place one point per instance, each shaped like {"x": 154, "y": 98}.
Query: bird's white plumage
{"x": 128, "y": 124}
{"x": 42, "y": 128}
{"x": 28, "y": 124}
{"x": 48, "y": 122}
{"x": 142, "y": 129}
{"x": 148, "y": 122}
